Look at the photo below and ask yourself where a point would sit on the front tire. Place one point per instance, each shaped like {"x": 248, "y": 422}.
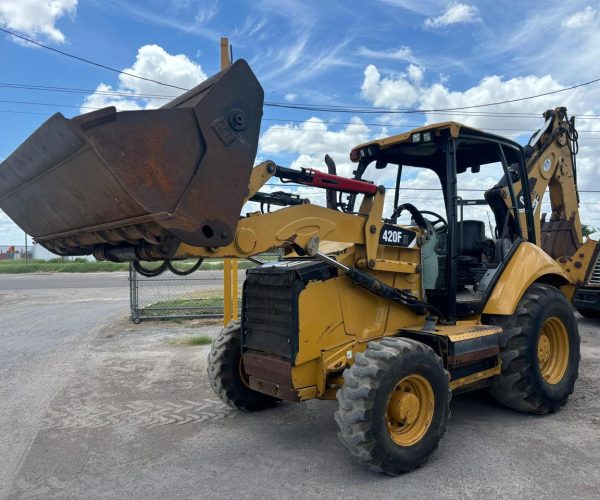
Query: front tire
{"x": 226, "y": 373}
{"x": 539, "y": 349}
{"x": 394, "y": 405}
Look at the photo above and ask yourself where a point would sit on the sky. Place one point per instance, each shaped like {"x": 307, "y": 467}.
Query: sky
{"x": 392, "y": 54}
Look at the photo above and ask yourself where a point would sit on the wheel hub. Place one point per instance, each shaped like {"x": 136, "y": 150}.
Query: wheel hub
{"x": 543, "y": 349}
{"x": 410, "y": 410}
{"x": 407, "y": 408}
{"x": 553, "y": 350}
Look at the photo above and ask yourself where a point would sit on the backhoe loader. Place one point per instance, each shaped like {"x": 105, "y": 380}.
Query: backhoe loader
{"x": 390, "y": 318}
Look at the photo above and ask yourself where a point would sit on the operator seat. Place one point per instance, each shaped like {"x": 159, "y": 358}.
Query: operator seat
{"x": 473, "y": 252}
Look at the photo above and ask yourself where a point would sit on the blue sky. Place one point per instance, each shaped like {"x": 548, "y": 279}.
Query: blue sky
{"x": 384, "y": 53}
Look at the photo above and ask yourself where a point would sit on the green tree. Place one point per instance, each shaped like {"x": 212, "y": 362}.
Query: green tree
{"x": 587, "y": 229}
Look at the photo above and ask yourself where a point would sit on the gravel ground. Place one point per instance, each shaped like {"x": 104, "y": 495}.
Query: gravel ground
{"x": 93, "y": 406}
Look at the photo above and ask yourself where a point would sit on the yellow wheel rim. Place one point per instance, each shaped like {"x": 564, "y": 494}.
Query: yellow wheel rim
{"x": 410, "y": 410}
{"x": 553, "y": 350}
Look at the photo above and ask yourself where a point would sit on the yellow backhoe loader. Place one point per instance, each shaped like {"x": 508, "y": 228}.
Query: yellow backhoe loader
{"x": 388, "y": 318}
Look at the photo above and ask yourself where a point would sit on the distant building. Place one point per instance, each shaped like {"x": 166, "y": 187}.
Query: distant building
{"x": 34, "y": 251}
{"x": 14, "y": 252}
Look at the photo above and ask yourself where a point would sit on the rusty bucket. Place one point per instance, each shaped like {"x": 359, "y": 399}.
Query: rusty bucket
{"x": 133, "y": 184}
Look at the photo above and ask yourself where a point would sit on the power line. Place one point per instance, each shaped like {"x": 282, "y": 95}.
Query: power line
{"x": 356, "y": 132}
{"x": 48, "y": 104}
{"x": 283, "y": 127}
{"x": 312, "y": 107}
{"x": 88, "y": 61}
{"x": 330, "y": 109}
{"x": 75, "y": 90}
{"x": 23, "y": 112}
{"x": 407, "y": 125}
{"x": 305, "y": 107}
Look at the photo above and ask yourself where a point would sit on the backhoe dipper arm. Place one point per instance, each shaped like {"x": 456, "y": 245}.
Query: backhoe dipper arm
{"x": 551, "y": 165}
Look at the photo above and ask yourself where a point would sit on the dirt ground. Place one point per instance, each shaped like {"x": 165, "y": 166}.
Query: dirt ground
{"x": 93, "y": 406}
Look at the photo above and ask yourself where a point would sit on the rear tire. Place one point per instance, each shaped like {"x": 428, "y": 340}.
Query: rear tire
{"x": 394, "y": 405}
{"x": 539, "y": 349}
{"x": 225, "y": 372}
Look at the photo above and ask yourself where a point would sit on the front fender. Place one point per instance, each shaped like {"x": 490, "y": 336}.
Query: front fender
{"x": 527, "y": 265}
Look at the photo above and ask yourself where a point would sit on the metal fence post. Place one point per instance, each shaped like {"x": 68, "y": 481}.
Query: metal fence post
{"x": 207, "y": 293}
{"x": 133, "y": 295}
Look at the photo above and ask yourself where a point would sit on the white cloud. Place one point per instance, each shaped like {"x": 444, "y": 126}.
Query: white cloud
{"x": 190, "y": 17}
{"x": 583, "y": 101}
{"x": 455, "y": 13}
{"x": 415, "y": 73}
{"x": 393, "y": 91}
{"x": 570, "y": 55}
{"x": 36, "y": 18}
{"x": 425, "y": 7}
{"x": 153, "y": 62}
{"x": 402, "y": 90}
{"x": 10, "y": 234}
{"x": 291, "y": 97}
{"x": 305, "y": 144}
{"x": 310, "y": 140}
{"x": 312, "y": 136}
{"x": 402, "y": 53}
{"x": 582, "y": 18}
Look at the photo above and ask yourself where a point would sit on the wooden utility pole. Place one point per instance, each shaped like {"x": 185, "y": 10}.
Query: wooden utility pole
{"x": 230, "y": 266}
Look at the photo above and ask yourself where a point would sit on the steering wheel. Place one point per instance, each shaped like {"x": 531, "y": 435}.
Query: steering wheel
{"x": 440, "y": 225}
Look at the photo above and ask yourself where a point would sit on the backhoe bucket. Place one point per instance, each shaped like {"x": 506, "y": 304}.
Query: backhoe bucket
{"x": 133, "y": 184}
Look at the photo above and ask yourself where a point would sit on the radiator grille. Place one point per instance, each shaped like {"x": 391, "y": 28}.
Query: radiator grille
{"x": 270, "y": 304}
{"x": 595, "y": 277}
{"x": 270, "y": 313}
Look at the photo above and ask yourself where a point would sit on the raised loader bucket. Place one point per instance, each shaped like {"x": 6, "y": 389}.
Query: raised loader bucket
{"x": 133, "y": 184}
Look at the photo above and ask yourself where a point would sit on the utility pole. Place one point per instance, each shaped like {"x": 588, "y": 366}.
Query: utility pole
{"x": 230, "y": 266}
{"x": 26, "y": 259}
{"x": 490, "y": 224}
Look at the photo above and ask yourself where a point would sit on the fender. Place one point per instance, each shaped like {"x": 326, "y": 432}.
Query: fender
{"x": 528, "y": 265}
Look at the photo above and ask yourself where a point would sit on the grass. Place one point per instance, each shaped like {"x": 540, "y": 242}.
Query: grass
{"x": 58, "y": 266}
{"x": 86, "y": 266}
{"x": 160, "y": 308}
{"x": 193, "y": 340}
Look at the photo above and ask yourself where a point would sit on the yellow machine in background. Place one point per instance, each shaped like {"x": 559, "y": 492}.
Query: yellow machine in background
{"x": 390, "y": 319}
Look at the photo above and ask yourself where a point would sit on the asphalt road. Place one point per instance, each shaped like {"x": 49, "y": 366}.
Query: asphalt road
{"x": 62, "y": 281}
{"x": 10, "y": 283}
{"x": 92, "y": 406}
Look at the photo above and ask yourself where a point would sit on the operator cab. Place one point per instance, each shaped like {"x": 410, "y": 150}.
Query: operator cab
{"x": 443, "y": 175}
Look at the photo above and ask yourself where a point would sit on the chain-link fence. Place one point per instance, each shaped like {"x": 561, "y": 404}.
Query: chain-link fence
{"x": 197, "y": 295}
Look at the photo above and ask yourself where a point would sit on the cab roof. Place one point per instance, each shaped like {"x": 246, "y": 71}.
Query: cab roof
{"x": 420, "y": 148}
{"x": 455, "y": 129}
